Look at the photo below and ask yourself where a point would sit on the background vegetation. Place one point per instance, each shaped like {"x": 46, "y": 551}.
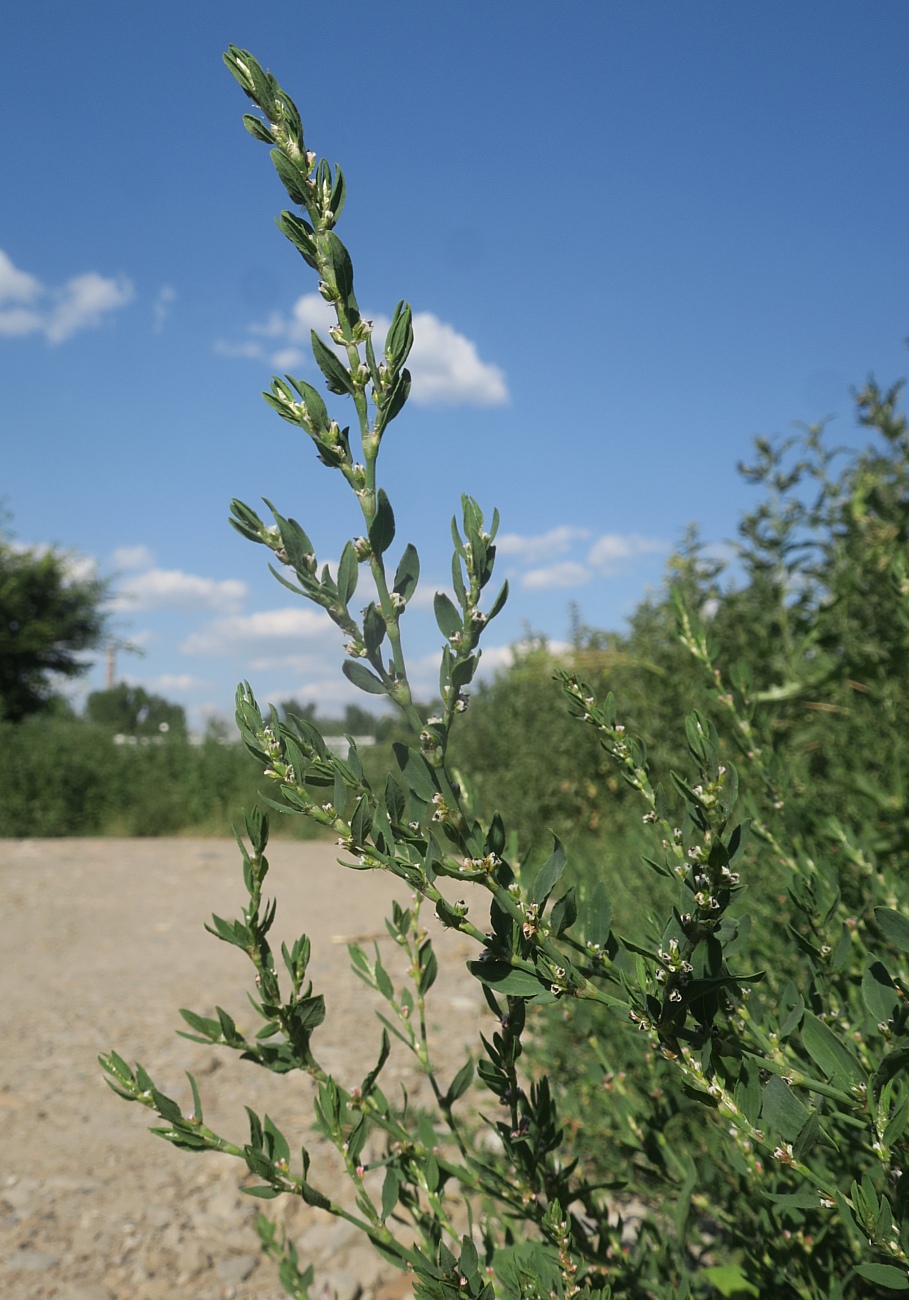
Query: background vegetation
{"x": 799, "y": 616}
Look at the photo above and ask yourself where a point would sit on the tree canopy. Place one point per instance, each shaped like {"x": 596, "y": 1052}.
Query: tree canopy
{"x": 133, "y": 711}
{"x": 51, "y": 617}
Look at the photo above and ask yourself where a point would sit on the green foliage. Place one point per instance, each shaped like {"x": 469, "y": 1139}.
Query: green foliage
{"x": 132, "y": 711}
{"x": 67, "y": 777}
{"x": 714, "y": 1099}
{"x": 49, "y": 617}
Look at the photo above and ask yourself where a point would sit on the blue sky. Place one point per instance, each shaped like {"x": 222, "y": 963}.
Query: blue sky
{"x": 635, "y": 236}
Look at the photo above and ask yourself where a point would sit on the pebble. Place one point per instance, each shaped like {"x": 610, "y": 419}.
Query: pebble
{"x": 32, "y": 1261}
{"x": 236, "y": 1268}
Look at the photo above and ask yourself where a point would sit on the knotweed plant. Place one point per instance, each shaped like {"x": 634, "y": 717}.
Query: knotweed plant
{"x": 802, "y": 1134}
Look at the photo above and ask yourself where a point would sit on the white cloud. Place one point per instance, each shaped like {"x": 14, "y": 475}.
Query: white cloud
{"x": 608, "y": 555}
{"x": 265, "y": 632}
{"x": 543, "y": 546}
{"x": 311, "y": 312}
{"x": 568, "y": 573}
{"x": 497, "y": 658}
{"x": 166, "y": 295}
{"x": 185, "y": 592}
{"x": 446, "y": 367}
{"x": 16, "y": 285}
{"x": 15, "y": 322}
{"x": 276, "y": 327}
{"x": 76, "y": 567}
{"x": 610, "y": 552}
{"x": 132, "y": 557}
{"x": 57, "y": 313}
{"x": 250, "y": 351}
{"x": 166, "y": 683}
{"x": 287, "y": 359}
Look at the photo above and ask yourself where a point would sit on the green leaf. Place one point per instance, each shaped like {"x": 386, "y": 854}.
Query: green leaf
{"x": 361, "y": 821}
{"x": 368, "y": 1083}
{"x": 782, "y": 1110}
{"x": 394, "y": 799}
{"x": 348, "y": 573}
{"x": 879, "y": 992}
{"x": 564, "y": 913}
{"x": 504, "y": 978}
{"x": 257, "y": 129}
{"x": 416, "y": 772}
{"x": 338, "y": 192}
{"x": 895, "y": 1279}
{"x": 895, "y": 927}
{"x": 292, "y": 178}
{"x": 598, "y": 917}
{"x": 312, "y": 1197}
{"x": 390, "y": 1189}
{"x": 360, "y": 675}
{"x": 399, "y": 339}
{"x": 549, "y": 873}
{"x": 263, "y": 1193}
{"x": 730, "y": 1281}
{"x": 383, "y": 982}
{"x": 449, "y": 620}
{"x": 495, "y": 838}
{"x": 373, "y": 630}
{"x": 357, "y": 1139}
{"x": 395, "y": 401}
{"x": 382, "y": 528}
{"x": 460, "y": 1083}
{"x": 210, "y": 1029}
{"x": 300, "y": 234}
{"x": 430, "y": 967}
{"x": 407, "y": 573}
{"x": 332, "y": 367}
{"x": 498, "y": 604}
{"x": 830, "y": 1053}
{"x": 341, "y": 266}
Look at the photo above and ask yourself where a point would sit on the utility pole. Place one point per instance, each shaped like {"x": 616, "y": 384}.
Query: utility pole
{"x": 111, "y": 667}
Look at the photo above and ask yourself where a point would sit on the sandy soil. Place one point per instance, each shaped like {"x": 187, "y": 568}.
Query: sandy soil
{"x": 102, "y": 941}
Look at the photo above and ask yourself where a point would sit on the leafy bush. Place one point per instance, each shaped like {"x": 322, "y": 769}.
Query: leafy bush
{"x": 63, "y": 776}
{"x": 753, "y": 1124}
{"x": 50, "y": 614}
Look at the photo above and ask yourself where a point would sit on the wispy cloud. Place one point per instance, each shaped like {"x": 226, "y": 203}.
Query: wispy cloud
{"x": 568, "y": 573}
{"x": 29, "y": 307}
{"x": 169, "y": 683}
{"x": 132, "y": 557}
{"x": 542, "y": 546}
{"x": 288, "y": 638}
{"x": 167, "y": 295}
{"x": 446, "y": 366}
{"x": 612, "y": 552}
{"x": 609, "y": 554}
{"x": 175, "y": 590}
{"x": 149, "y": 588}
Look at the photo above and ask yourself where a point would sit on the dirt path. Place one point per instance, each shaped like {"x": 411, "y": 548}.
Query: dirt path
{"x": 102, "y": 941}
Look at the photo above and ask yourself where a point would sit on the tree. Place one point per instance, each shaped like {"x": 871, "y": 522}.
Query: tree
{"x": 133, "y": 711}
{"x": 51, "y": 615}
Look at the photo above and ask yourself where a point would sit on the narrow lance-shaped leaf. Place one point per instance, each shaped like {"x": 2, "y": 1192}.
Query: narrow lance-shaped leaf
{"x": 549, "y": 873}
{"x": 382, "y": 527}
{"x": 449, "y": 620}
{"x": 348, "y": 574}
{"x": 407, "y": 573}
{"x": 301, "y": 235}
{"x": 360, "y": 675}
{"x": 332, "y": 367}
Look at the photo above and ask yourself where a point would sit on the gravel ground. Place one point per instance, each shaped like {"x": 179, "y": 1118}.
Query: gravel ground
{"x": 102, "y": 942}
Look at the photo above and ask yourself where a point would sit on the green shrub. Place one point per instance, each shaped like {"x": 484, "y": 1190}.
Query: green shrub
{"x": 64, "y": 776}
{"x": 720, "y": 1105}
